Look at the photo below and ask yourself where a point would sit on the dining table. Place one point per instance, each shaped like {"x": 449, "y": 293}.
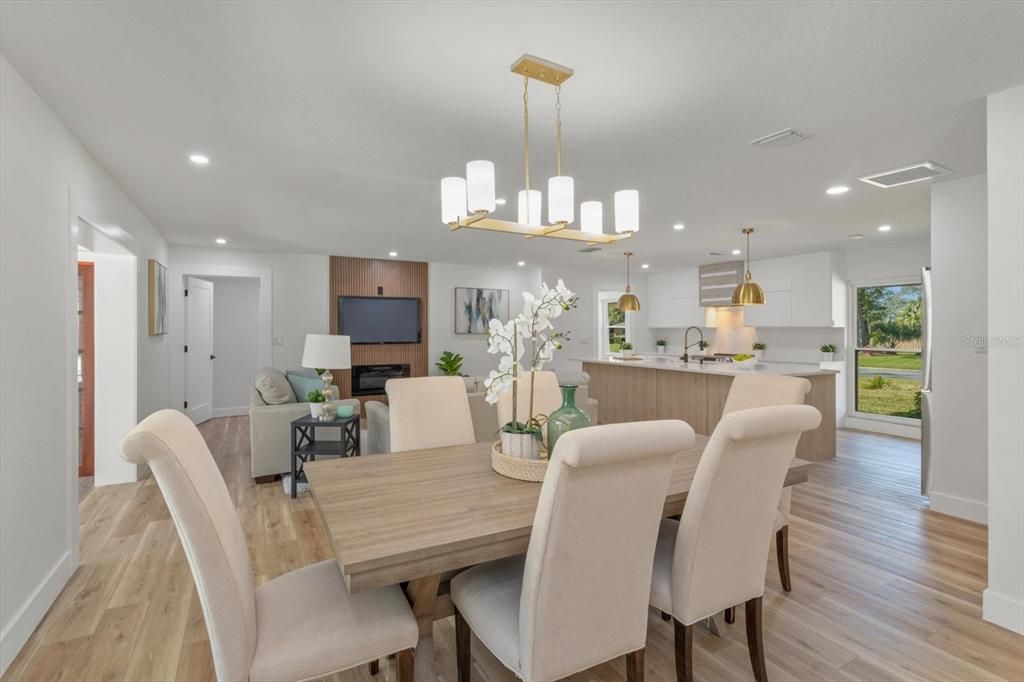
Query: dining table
{"x": 416, "y": 518}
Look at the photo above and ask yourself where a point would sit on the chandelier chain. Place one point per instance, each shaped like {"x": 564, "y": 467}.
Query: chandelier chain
{"x": 558, "y": 129}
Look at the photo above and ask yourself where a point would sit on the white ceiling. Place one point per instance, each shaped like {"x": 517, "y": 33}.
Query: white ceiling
{"x": 330, "y": 125}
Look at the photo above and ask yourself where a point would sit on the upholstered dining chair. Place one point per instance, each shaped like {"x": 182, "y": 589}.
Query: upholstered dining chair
{"x": 429, "y": 412}
{"x": 301, "y": 625}
{"x": 578, "y": 597}
{"x": 766, "y": 390}
{"x": 713, "y": 557}
{"x": 547, "y": 397}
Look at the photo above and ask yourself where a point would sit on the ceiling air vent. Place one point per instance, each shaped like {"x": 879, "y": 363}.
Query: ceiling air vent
{"x": 926, "y": 170}
{"x": 782, "y": 138}
{"x": 590, "y": 249}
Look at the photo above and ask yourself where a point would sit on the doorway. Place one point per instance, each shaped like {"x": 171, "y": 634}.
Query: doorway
{"x": 86, "y": 370}
{"x": 199, "y": 355}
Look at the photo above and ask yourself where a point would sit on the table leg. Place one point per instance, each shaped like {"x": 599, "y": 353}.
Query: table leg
{"x": 295, "y": 447}
{"x": 422, "y": 596}
{"x": 711, "y": 623}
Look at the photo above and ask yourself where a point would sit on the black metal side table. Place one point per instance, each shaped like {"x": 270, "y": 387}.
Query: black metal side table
{"x": 306, "y": 447}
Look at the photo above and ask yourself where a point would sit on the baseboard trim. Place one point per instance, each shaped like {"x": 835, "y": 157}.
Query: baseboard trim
{"x": 961, "y": 507}
{"x": 883, "y": 427}
{"x": 24, "y": 622}
{"x": 1003, "y": 610}
{"x": 230, "y": 411}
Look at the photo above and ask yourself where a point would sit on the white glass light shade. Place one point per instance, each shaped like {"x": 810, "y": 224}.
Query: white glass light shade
{"x": 529, "y": 211}
{"x": 453, "y": 200}
{"x": 561, "y": 201}
{"x": 591, "y": 217}
{"x": 480, "y": 186}
{"x": 627, "y": 210}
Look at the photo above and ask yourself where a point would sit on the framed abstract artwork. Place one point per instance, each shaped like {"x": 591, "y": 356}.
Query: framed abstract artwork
{"x": 475, "y": 308}
{"x": 157, "y": 298}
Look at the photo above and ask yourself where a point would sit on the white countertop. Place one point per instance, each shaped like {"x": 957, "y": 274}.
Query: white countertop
{"x": 672, "y": 363}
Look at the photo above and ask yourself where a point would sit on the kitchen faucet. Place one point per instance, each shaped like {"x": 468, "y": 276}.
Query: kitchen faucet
{"x": 687, "y": 344}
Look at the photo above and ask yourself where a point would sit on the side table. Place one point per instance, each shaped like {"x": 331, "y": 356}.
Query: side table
{"x": 306, "y": 447}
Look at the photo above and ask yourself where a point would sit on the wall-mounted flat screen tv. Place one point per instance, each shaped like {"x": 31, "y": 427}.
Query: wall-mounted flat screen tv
{"x": 379, "y": 319}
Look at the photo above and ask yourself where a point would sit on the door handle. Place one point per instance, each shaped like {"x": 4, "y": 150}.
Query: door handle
{"x": 213, "y": 357}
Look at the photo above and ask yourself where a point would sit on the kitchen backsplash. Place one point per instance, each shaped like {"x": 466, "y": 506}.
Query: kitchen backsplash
{"x": 790, "y": 344}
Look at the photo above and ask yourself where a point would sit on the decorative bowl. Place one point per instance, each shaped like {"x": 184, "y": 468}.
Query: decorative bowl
{"x": 517, "y": 467}
{"x": 749, "y": 363}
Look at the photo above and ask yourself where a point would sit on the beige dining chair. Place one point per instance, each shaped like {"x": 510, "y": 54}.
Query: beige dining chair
{"x": 547, "y": 397}
{"x": 713, "y": 557}
{"x": 301, "y": 625}
{"x": 428, "y": 412}
{"x": 578, "y": 597}
{"x": 766, "y": 390}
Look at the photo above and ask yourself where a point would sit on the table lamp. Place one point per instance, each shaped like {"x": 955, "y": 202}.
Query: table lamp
{"x": 326, "y": 352}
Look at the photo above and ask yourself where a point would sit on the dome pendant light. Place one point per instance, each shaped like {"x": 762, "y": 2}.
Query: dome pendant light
{"x": 628, "y": 301}
{"x": 749, "y": 292}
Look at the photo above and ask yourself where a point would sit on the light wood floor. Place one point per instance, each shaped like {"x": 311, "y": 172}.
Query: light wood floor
{"x": 883, "y": 589}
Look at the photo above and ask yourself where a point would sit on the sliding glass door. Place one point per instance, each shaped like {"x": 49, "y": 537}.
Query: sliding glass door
{"x": 887, "y": 353}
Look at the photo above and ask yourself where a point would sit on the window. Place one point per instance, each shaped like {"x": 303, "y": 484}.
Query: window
{"x": 616, "y": 327}
{"x": 887, "y": 353}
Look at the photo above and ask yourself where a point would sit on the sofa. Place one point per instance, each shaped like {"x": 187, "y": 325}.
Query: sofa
{"x": 485, "y": 415}
{"x": 273, "y": 405}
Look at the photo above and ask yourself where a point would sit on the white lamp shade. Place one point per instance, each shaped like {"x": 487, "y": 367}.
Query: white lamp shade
{"x": 592, "y": 217}
{"x": 453, "y": 200}
{"x": 529, "y": 211}
{"x": 480, "y": 186}
{"x": 561, "y": 201}
{"x": 327, "y": 351}
{"x": 627, "y": 210}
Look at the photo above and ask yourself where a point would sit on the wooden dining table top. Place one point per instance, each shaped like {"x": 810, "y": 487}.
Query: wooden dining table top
{"x": 402, "y": 516}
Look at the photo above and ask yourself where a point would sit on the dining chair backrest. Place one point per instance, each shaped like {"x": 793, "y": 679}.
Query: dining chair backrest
{"x": 428, "y": 412}
{"x": 765, "y": 390}
{"x": 726, "y": 526}
{"x": 210, "y": 533}
{"x": 547, "y": 397}
{"x": 588, "y": 568}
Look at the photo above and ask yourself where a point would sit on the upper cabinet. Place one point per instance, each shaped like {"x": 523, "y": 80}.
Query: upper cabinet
{"x": 673, "y": 300}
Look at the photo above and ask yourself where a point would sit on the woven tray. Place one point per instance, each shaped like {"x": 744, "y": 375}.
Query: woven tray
{"x": 517, "y": 467}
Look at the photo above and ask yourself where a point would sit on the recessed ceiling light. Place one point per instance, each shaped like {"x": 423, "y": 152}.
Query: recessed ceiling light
{"x": 645, "y": 266}
{"x": 199, "y": 159}
{"x": 838, "y": 189}
{"x": 393, "y": 254}
{"x": 736, "y": 252}
{"x": 856, "y": 236}
{"x": 884, "y": 228}
{"x": 521, "y": 263}
{"x": 500, "y": 201}
{"x": 221, "y": 241}
{"x": 679, "y": 227}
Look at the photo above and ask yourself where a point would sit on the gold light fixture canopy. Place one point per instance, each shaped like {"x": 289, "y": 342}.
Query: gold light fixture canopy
{"x": 749, "y": 292}
{"x": 628, "y": 301}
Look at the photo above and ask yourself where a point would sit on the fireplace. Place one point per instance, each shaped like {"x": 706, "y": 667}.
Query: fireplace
{"x": 370, "y": 379}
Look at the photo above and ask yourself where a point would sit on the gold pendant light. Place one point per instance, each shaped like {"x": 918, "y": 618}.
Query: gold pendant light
{"x": 749, "y": 292}
{"x": 628, "y": 301}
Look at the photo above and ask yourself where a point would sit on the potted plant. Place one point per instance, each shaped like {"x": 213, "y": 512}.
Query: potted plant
{"x": 661, "y": 344}
{"x": 450, "y": 364}
{"x": 530, "y": 336}
{"x": 758, "y": 349}
{"x": 626, "y": 349}
{"x": 827, "y": 352}
{"x": 316, "y": 402}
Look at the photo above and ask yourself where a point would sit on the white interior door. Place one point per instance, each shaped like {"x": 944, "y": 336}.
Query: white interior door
{"x": 199, "y": 355}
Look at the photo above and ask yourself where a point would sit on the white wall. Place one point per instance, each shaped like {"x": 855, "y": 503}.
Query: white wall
{"x": 236, "y": 328}
{"x": 959, "y": 259}
{"x": 47, "y": 179}
{"x": 441, "y": 336}
{"x": 1003, "y": 601}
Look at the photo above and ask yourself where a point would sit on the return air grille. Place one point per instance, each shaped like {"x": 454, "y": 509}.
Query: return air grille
{"x": 926, "y": 170}
{"x": 782, "y": 138}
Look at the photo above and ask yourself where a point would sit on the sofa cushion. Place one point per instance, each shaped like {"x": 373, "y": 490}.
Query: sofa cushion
{"x": 303, "y": 385}
{"x": 273, "y": 387}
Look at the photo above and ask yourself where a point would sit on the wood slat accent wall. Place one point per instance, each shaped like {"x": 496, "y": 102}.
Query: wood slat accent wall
{"x": 362, "y": 277}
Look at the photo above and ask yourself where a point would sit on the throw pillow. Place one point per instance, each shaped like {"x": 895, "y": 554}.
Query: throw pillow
{"x": 303, "y": 385}
{"x": 273, "y": 387}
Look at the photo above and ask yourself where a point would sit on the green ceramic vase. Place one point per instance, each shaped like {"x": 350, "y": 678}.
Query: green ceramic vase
{"x": 565, "y": 418}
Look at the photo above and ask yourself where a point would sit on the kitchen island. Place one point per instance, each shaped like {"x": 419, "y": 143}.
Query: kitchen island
{"x": 664, "y": 387}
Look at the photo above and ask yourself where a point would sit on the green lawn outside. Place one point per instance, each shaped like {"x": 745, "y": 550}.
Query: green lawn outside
{"x": 890, "y": 361}
{"x": 896, "y": 397}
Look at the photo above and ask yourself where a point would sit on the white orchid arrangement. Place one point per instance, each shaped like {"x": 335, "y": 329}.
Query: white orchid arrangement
{"x": 532, "y": 328}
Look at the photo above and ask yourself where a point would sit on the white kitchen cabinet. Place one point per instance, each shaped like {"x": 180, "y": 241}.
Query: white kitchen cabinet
{"x": 805, "y": 290}
{"x": 773, "y": 274}
{"x": 667, "y": 308}
{"x": 684, "y": 283}
{"x": 659, "y": 300}
{"x": 776, "y": 311}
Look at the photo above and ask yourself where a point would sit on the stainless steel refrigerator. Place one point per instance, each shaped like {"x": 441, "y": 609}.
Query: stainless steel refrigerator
{"x": 926, "y": 378}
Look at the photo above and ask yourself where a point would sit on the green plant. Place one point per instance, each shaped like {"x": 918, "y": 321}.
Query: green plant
{"x": 758, "y": 346}
{"x": 661, "y": 342}
{"x": 875, "y": 382}
{"x": 316, "y": 396}
{"x": 828, "y": 348}
{"x": 626, "y": 345}
{"x": 449, "y": 363}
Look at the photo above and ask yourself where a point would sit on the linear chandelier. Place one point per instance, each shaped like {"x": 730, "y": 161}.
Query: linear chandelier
{"x": 469, "y": 202}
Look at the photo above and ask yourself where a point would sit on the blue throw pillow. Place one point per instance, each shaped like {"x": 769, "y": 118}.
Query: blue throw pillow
{"x": 304, "y": 384}
{"x": 304, "y": 372}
